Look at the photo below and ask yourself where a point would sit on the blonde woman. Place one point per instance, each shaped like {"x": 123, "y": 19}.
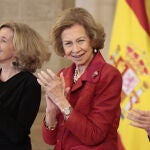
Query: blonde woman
{"x": 22, "y": 51}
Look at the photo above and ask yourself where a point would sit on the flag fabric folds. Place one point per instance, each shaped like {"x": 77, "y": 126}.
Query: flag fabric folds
{"x": 130, "y": 53}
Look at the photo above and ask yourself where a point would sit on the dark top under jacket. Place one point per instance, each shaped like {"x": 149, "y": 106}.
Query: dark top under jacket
{"x": 20, "y": 98}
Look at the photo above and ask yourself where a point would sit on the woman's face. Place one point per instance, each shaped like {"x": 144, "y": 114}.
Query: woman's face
{"x": 7, "y": 50}
{"x": 77, "y": 45}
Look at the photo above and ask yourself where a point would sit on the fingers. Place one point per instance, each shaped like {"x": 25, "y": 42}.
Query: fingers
{"x": 137, "y": 111}
{"x": 51, "y": 82}
{"x": 62, "y": 79}
{"x": 141, "y": 125}
{"x": 44, "y": 78}
{"x": 52, "y": 74}
{"x": 138, "y": 125}
{"x": 41, "y": 80}
{"x": 139, "y": 118}
{"x": 135, "y": 117}
{"x": 136, "y": 114}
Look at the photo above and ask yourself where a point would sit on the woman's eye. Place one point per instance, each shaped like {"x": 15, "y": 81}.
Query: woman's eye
{"x": 81, "y": 41}
{"x": 68, "y": 44}
{"x": 3, "y": 40}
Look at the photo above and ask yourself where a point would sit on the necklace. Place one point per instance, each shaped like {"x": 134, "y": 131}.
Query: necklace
{"x": 76, "y": 75}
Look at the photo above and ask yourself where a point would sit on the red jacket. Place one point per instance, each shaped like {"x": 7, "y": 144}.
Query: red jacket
{"x": 95, "y": 99}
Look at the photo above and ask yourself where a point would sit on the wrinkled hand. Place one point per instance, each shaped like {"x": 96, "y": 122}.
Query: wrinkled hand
{"x": 54, "y": 86}
{"x": 51, "y": 107}
{"x": 51, "y": 112}
{"x": 140, "y": 119}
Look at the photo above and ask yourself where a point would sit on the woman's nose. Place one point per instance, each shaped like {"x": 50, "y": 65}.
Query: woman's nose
{"x": 76, "y": 47}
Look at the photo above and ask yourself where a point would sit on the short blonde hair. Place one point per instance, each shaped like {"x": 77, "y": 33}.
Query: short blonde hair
{"x": 31, "y": 50}
{"x": 70, "y": 17}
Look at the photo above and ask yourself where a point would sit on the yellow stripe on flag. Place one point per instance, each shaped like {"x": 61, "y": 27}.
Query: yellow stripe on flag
{"x": 130, "y": 53}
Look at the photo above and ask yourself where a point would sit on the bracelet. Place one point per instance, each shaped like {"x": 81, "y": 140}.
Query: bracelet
{"x": 66, "y": 112}
{"x": 52, "y": 127}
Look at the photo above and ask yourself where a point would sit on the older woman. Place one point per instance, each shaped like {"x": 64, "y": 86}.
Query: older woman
{"x": 83, "y": 101}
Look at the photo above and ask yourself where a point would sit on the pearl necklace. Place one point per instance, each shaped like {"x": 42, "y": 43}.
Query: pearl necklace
{"x": 76, "y": 75}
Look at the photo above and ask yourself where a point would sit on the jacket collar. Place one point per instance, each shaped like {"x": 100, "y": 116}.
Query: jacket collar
{"x": 91, "y": 74}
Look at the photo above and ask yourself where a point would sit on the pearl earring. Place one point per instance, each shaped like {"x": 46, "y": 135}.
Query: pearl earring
{"x": 95, "y": 50}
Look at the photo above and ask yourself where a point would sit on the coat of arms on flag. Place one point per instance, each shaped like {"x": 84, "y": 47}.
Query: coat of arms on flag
{"x": 130, "y": 53}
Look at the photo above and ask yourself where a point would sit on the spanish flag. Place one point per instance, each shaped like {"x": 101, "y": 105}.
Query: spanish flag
{"x": 130, "y": 53}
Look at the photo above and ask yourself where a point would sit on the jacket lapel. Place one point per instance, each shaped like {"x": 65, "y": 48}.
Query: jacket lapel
{"x": 91, "y": 74}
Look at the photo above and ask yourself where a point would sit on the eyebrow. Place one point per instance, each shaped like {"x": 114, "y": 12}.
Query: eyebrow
{"x": 82, "y": 37}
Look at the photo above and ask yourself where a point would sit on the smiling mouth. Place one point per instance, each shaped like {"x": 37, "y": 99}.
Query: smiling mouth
{"x": 78, "y": 56}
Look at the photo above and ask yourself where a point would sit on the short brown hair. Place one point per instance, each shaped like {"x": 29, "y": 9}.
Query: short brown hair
{"x": 70, "y": 17}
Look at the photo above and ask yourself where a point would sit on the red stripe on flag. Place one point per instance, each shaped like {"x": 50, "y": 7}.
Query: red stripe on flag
{"x": 139, "y": 9}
